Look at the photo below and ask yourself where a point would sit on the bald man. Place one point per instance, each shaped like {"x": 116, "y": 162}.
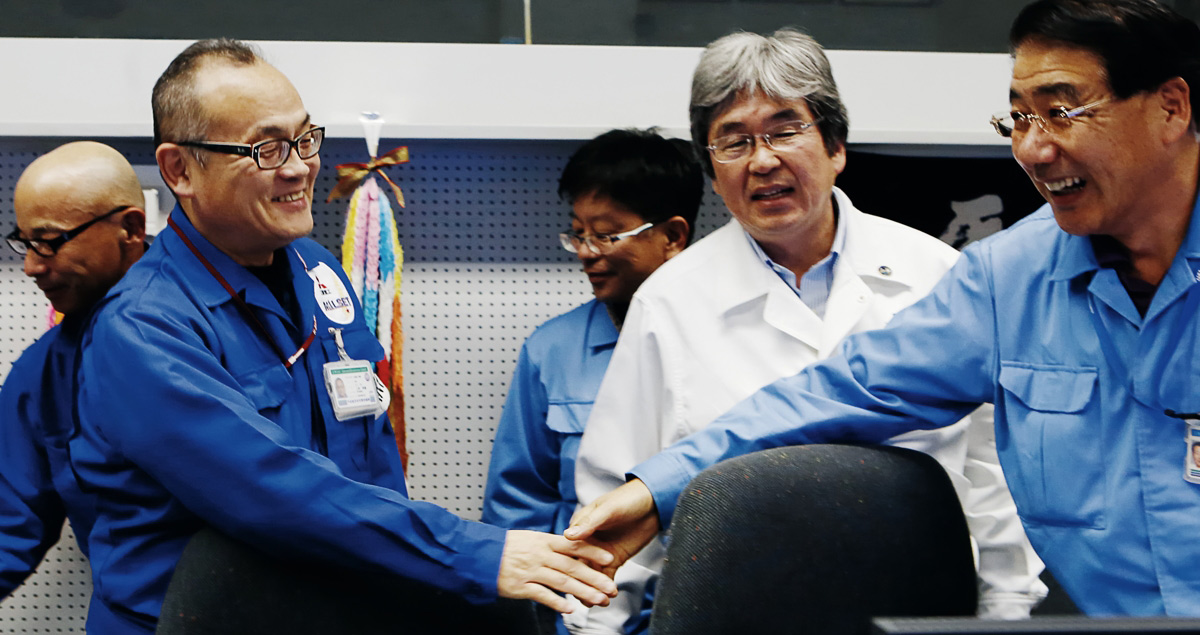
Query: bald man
{"x": 80, "y": 225}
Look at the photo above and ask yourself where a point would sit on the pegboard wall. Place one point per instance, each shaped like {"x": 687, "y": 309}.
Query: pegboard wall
{"x": 483, "y": 269}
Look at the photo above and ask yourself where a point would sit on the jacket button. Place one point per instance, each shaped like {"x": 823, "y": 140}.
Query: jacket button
{"x": 885, "y": 270}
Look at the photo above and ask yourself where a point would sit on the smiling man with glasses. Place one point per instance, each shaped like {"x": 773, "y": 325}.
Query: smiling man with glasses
{"x": 1081, "y": 323}
{"x": 779, "y": 287}
{"x": 207, "y": 392}
{"x": 80, "y": 226}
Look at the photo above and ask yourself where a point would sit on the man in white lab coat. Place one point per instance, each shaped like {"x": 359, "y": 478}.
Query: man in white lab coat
{"x": 795, "y": 271}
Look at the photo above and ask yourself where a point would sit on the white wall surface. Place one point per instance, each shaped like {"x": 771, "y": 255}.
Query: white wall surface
{"x": 95, "y": 87}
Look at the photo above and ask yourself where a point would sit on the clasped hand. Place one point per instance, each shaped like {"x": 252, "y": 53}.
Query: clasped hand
{"x": 582, "y": 562}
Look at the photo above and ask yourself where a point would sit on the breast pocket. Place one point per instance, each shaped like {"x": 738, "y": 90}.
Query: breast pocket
{"x": 1055, "y": 442}
{"x": 568, "y": 420}
{"x": 267, "y": 387}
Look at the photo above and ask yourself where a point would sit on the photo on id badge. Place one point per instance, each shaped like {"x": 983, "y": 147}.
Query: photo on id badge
{"x": 1191, "y": 462}
{"x": 352, "y": 388}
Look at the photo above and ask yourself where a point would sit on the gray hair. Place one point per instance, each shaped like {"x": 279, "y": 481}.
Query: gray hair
{"x": 786, "y": 65}
{"x": 178, "y": 114}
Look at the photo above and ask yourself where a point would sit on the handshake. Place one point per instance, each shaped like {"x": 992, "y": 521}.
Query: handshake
{"x": 581, "y": 562}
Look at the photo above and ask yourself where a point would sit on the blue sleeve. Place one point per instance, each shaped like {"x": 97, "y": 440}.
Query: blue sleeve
{"x": 931, "y": 365}
{"x": 31, "y": 512}
{"x": 179, "y": 416}
{"x": 522, "y": 485}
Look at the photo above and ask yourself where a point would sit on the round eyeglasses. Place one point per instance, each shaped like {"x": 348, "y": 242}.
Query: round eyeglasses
{"x": 1057, "y": 120}
{"x": 785, "y": 136}
{"x": 269, "y": 154}
{"x": 598, "y": 243}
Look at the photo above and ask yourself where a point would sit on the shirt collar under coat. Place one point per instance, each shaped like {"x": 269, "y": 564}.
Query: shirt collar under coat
{"x": 866, "y": 254}
{"x": 824, "y": 265}
{"x": 204, "y": 284}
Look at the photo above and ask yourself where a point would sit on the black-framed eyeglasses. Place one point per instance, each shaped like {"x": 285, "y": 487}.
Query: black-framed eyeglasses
{"x": 48, "y": 247}
{"x": 598, "y": 243}
{"x": 269, "y": 154}
{"x": 1056, "y": 122}
{"x": 785, "y": 136}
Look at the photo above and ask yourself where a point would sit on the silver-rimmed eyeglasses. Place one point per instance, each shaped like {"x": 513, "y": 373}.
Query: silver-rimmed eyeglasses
{"x": 785, "y": 136}
{"x": 598, "y": 243}
{"x": 1057, "y": 120}
{"x": 48, "y": 247}
{"x": 269, "y": 154}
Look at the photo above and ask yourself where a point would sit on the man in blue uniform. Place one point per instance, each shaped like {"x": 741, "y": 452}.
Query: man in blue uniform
{"x": 1079, "y": 323}
{"x": 205, "y": 384}
{"x": 634, "y": 197}
{"x": 80, "y": 225}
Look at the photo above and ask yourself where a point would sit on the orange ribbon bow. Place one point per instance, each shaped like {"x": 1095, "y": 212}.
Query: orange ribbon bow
{"x": 351, "y": 175}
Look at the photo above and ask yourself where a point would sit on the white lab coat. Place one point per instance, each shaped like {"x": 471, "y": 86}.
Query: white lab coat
{"x": 714, "y": 324}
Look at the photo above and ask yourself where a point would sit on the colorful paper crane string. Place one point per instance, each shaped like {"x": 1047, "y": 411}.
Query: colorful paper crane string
{"x": 374, "y": 260}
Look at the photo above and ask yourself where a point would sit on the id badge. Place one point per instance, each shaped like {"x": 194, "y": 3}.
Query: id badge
{"x": 354, "y": 389}
{"x": 1191, "y": 462}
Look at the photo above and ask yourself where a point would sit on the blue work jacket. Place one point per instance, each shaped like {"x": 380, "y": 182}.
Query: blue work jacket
{"x": 1027, "y": 320}
{"x": 189, "y": 417}
{"x": 37, "y": 488}
{"x": 531, "y": 479}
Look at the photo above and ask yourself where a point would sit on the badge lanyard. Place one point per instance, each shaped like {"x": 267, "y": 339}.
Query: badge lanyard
{"x": 245, "y": 308}
{"x": 1191, "y": 470}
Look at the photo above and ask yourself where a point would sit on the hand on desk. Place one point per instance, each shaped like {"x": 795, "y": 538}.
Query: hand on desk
{"x": 622, "y": 521}
{"x": 534, "y": 565}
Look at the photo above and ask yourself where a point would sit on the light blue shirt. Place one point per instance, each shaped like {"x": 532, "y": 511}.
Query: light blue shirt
{"x": 1095, "y": 466}
{"x": 531, "y": 479}
{"x": 815, "y": 284}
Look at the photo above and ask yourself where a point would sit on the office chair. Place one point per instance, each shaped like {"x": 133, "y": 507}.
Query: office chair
{"x": 816, "y": 540}
{"x": 224, "y": 587}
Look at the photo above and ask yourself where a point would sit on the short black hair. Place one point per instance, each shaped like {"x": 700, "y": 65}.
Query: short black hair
{"x": 1142, "y": 43}
{"x": 177, "y": 115}
{"x": 654, "y": 177}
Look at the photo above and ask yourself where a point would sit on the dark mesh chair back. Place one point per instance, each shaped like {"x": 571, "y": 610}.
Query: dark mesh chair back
{"x": 816, "y": 540}
{"x": 224, "y": 587}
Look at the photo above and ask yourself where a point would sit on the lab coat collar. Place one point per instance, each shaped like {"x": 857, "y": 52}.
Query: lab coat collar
{"x": 869, "y": 259}
{"x": 872, "y": 255}
{"x": 205, "y": 285}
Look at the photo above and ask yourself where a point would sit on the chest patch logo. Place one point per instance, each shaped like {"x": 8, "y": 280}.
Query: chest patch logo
{"x": 331, "y": 295}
